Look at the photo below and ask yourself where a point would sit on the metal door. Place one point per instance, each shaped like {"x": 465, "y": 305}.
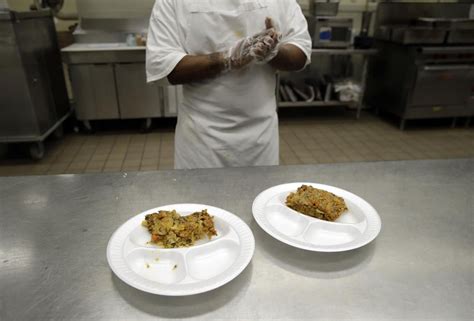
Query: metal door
{"x": 137, "y": 99}
{"x": 442, "y": 85}
{"x": 94, "y": 91}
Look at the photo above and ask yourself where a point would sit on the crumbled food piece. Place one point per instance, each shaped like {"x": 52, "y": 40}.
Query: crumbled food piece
{"x": 157, "y": 259}
{"x": 175, "y": 267}
{"x": 171, "y": 230}
{"x": 316, "y": 203}
{"x": 147, "y": 265}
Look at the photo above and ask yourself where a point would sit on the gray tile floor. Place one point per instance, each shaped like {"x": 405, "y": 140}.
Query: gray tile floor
{"x": 308, "y": 140}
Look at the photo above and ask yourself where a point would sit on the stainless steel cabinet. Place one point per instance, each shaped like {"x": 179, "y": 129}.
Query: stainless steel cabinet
{"x": 111, "y": 84}
{"x": 114, "y": 91}
{"x": 137, "y": 99}
{"x": 94, "y": 91}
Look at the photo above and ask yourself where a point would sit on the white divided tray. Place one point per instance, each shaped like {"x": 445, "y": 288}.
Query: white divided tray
{"x": 353, "y": 229}
{"x": 184, "y": 271}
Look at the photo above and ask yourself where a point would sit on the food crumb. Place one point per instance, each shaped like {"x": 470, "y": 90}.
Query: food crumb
{"x": 157, "y": 259}
{"x": 147, "y": 265}
{"x": 175, "y": 267}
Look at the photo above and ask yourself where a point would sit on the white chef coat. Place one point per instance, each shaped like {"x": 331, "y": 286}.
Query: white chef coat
{"x": 231, "y": 120}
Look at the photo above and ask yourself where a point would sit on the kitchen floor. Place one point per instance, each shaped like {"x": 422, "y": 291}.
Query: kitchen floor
{"x": 304, "y": 140}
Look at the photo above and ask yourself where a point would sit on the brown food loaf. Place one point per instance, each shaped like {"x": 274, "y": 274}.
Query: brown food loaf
{"x": 316, "y": 203}
{"x": 171, "y": 230}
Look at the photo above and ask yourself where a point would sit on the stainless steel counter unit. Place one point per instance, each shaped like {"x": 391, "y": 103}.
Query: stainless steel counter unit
{"x": 54, "y": 232}
{"x": 103, "y": 54}
{"x": 109, "y": 82}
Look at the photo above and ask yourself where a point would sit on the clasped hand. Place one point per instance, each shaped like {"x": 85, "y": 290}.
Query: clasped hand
{"x": 260, "y": 48}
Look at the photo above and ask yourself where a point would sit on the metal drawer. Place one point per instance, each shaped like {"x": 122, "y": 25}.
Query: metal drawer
{"x": 418, "y": 36}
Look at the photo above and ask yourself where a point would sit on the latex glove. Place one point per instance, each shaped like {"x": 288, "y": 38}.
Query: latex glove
{"x": 266, "y": 44}
{"x": 260, "y": 48}
{"x": 238, "y": 56}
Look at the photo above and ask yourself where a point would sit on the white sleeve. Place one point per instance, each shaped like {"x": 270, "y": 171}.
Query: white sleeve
{"x": 295, "y": 30}
{"x": 164, "y": 45}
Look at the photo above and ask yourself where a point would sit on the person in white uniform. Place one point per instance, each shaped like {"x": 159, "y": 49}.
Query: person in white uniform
{"x": 226, "y": 54}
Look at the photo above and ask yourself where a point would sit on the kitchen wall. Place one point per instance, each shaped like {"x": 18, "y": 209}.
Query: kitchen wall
{"x": 354, "y": 8}
{"x": 348, "y": 8}
{"x": 115, "y": 9}
{"x": 69, "y": 7}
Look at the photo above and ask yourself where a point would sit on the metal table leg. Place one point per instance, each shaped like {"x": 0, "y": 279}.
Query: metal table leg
{"x": 37, "y": 150}
{"x": 87, "y": 126}
{"x": 402, "y": 124}
{"x": 146, "y": 125}
{"x": 363, "y": 86}
{"x": 453, "y": 124}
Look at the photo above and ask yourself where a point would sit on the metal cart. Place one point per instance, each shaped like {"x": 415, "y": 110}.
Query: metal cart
{"x": 33, "y": 96}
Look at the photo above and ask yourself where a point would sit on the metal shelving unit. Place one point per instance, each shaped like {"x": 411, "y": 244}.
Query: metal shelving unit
{"x": 337, "y": 52}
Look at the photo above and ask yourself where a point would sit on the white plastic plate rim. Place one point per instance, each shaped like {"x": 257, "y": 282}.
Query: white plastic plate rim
{"x": 119, "y": 266}
{"x": 374, "y": 223}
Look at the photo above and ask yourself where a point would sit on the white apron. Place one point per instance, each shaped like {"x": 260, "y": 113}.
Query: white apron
{"x": 229, "y": 121}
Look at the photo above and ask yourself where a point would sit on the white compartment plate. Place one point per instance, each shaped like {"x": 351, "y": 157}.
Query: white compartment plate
{"x": 355, "y": 228}
{"x": 203, "y": 267}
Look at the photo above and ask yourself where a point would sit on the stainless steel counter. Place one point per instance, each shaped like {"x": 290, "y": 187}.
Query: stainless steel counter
{"x": 94, "y": 47}
{"x": 54, "y": 232}
{"x": 103, "y": 53}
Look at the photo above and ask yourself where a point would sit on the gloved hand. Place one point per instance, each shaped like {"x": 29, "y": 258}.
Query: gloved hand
{"x": 238, "y": 56}
{"x": 261, "y": 48}
{"x": 266, "y": 44}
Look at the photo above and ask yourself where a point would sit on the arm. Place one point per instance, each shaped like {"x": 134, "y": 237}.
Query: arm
{"x": 200, "y": 67}
{"x": 289, "y": 58}
{"x": 197, "y": 68}
{"x": 295, "y": 49}
{"x": 165, "y": 45}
